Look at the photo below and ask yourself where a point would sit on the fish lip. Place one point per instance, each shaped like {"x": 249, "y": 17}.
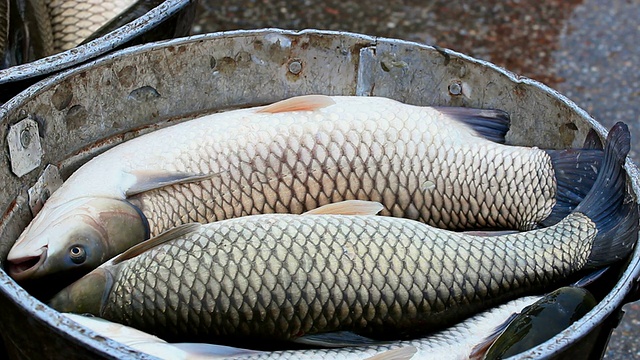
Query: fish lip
{"x": 16, "y": 267}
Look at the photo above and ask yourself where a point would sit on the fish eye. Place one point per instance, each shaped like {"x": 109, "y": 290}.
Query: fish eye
{"x": 77, "y": 254}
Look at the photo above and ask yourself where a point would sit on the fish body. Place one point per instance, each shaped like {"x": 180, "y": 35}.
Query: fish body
{"x": 455, "y": 342}
{"x": 73, "y": 21}
{"x": 282, "y": 277}
{"x": 421, "y": 163}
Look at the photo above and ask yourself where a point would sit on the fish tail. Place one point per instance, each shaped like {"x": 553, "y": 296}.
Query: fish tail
{"x": 576, "y": 171}
{"x": 607, "y": 205}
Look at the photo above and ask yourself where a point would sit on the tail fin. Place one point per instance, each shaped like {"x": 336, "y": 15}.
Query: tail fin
{"x": 616, "y": 218}
{"x": 576, "y": 171}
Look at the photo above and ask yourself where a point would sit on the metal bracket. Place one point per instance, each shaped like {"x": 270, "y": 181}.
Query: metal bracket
{"x": 47, "y": 183}
{"x": 25, "y": 151}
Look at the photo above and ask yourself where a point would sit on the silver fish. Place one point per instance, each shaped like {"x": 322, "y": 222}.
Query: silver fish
{"x": 153, "y": 345}
{"x": 455, "y": 342}
{"x": 430, "y": 164}
{"x": 282, "y": 277}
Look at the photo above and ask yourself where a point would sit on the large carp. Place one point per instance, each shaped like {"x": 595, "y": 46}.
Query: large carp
{"x": 435, "y": 165}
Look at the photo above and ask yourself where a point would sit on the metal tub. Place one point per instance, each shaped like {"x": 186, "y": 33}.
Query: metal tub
{"x": 66, "y": 119}
{"x": 173, "y": 16}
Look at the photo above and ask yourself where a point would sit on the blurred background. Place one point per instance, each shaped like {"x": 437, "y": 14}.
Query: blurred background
{"x": 587, "y": 50}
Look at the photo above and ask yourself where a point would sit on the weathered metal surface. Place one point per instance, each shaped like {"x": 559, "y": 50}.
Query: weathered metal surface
{"x": 86, "y": 110}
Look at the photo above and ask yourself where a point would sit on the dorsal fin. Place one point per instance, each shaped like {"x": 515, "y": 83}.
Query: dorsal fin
{"x": 298, "y": 103}
{"x": 488, "y": 123}
{"x": 348, "y": 207}
{"x": 155, "y": 241}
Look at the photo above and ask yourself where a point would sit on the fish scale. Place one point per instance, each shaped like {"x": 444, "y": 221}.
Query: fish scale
{"x": 297, "y": 164}
{"x": 283, "y": 276}
{"x": 73, "y": 21}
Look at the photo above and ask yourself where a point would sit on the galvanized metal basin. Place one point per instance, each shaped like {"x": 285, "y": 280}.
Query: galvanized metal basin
{"x": 177, "y": 15}
{"x": 66, "y": 119}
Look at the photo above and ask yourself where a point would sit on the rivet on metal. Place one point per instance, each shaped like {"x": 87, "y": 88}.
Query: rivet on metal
{"x": 25, "y": 138}
{"x": 25, "y": 151}
{"x": 455, "y": 88}
{"x": 295, "y": 67}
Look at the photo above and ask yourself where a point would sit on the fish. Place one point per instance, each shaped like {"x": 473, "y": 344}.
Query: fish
{"x": 541, "y": 321}
{"x": 154, "y": 346}
{"x": 72, "y": 21}
{"x": 443, "y": 166}
{"x": 455, "y": 342}
{"x": 282, "y": 277}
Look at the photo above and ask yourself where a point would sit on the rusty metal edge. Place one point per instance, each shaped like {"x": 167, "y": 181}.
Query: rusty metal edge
{"x": 96, "y": 47}
{"x": 614, "y": 300}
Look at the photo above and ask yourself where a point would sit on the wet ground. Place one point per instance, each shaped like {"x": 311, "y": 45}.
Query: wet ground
{"x": 587, "y": 50}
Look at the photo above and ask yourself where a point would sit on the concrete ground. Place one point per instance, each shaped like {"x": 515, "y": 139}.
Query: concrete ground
{"x": 587, "y": 50}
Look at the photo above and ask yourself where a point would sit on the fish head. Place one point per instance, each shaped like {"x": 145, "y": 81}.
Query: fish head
{"x": 87, "y": 295}
{"x": 75, "y": 237}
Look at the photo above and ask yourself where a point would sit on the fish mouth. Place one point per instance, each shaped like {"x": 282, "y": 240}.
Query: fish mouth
{"x": 24, "y": 267}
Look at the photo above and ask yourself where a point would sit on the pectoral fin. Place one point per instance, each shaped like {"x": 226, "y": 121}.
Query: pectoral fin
{"x": 348, "y": 207}
{"x": 212, "y": 351}
{"x": 168, "y": 235}
{"x": 147, "y": 180}
{"x": 298, "y": 103}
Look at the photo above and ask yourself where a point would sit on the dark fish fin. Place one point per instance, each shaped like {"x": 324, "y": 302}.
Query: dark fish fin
{"x": 298, "y": 103}
{"x": 337, "y": 339}
{"x": 151, "y": 180}
{"x": 576, "y": 171}
{"x": 403, "y": 353}
{"x": 480, "y": 349}
{"x": 590, "y": 278}
{"x": 615, "y": 216}
{"x": 490, "y": 124}
{"x": 204, "y": 351}
{"x": 348, "y": 207}
{"x": 592, "y": 141}
{"x": 168, "y": 235}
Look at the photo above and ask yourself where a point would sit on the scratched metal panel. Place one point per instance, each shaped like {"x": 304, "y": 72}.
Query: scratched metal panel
{"x": 83, "y": 111}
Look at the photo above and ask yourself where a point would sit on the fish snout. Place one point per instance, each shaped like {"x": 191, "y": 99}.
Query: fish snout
{"x": 23, "y": 267}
